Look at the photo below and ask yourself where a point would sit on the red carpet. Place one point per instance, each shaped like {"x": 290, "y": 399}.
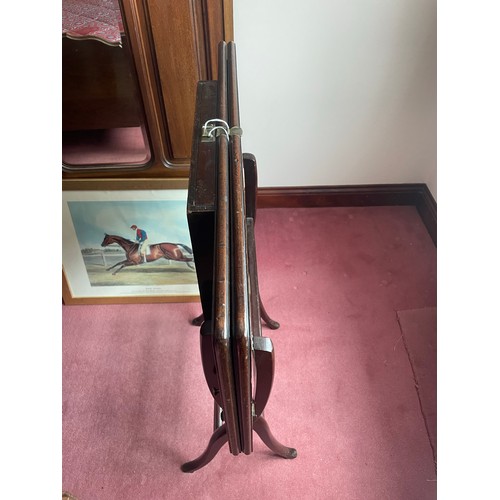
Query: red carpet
{"x": 136, "y": 406}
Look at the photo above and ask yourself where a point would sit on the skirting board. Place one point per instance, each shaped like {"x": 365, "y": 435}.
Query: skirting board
{"x": 355, "y": 196}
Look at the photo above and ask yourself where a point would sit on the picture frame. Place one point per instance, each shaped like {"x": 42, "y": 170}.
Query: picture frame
{"x": 98, "y": 269}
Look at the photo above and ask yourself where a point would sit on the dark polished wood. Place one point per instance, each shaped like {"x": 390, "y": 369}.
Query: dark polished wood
{"x": 91, "y": 98}
{"x": 222, "y": 300}
{"x": 217, "y": 441}
{"x": 238, "y": 361}
{"x": 262, "y": 429}
{"x": 251, "y": 184}
{"x": 201, "y": 196}
{"x": 239, "y": 262}
{"x": 202, "y": 200}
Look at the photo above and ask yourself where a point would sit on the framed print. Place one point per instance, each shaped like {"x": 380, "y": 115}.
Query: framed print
{"x": 126, "y": 241}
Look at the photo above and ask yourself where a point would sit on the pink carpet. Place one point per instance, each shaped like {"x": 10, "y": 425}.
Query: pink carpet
{"x": 123, "y": 145}
{"x": 136, "y": 406}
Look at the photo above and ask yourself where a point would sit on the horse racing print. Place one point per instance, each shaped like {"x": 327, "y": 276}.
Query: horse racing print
{"x": 127, "y": 244}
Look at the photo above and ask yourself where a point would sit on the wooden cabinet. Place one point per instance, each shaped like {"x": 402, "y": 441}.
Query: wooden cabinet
{"x": 172, "y": 45}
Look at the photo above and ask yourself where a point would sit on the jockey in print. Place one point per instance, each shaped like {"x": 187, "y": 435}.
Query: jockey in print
{"x": 142, "y": 239}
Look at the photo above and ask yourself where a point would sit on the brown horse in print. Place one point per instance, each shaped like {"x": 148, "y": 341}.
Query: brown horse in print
{"x": 169, "y": 251}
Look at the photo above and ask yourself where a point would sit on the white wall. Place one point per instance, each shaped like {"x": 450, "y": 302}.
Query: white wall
{"x": 337, "y": 92}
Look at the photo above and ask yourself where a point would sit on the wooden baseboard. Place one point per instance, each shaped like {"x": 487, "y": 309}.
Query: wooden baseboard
{"x": 355, "y": 196}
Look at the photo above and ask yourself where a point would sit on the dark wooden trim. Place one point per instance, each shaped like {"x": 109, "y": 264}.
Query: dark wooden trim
{"x": 417, "y": 195}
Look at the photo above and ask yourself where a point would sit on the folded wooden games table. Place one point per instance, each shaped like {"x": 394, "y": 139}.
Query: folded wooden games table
{"x": 238, "y": 362}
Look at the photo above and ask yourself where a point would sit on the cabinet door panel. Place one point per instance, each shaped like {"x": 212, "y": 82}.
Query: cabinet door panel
{"x": 173, "y": 45}
{"x": 179, "y": 67}
{"x": 184, "y": 38}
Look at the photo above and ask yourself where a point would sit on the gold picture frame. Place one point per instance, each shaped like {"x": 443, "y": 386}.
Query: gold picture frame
{"x": 93, "y": 270}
